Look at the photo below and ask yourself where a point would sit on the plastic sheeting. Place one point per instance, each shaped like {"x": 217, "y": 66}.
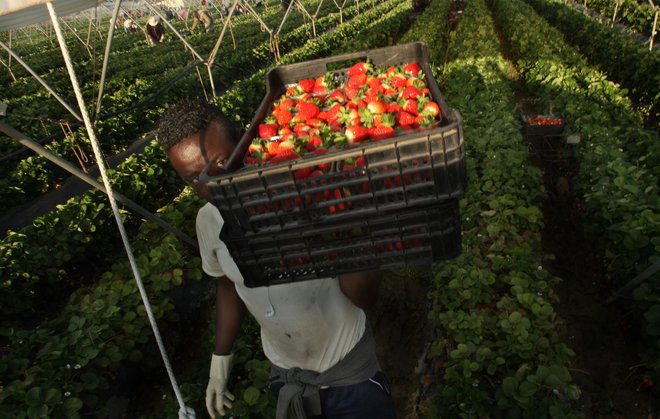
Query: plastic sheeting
{"x": 18, "y": 13}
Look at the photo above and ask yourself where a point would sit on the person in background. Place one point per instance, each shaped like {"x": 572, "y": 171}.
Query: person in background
{"x": 315, "y": 332}
{"x": 155, "y": 31}
{"x": 202, "y": 17}
{"x": 130, "y": 26}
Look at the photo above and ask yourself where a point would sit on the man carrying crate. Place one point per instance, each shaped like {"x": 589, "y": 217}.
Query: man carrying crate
{"x": 315, "y": 333}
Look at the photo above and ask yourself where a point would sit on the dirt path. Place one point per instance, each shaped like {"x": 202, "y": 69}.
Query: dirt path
{"x": 607, "y": 367}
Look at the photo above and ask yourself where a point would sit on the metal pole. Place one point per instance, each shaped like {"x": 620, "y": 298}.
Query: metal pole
{"x": 655, "y": 29}
{"x": 79, "y": 38}
{"x": 216, "y": 47}
{"x": 42, "y": 81}
{"x": 66, "y": 165}
{"x": 106, "y": 182}
{"x": 106, "y": 57}
{"x": 11, "y": 73}
{"x": 616, "y": 10}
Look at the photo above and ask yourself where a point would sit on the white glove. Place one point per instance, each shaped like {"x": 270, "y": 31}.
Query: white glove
{"x": 217, "y": 396}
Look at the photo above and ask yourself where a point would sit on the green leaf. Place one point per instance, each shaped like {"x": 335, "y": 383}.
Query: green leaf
{"x": 509, "y": 386}
{"x": 251, "y": 395}
{"x": 33, "y": 397}
{"x": 40, "y": 411}
{"x": 527, "y": 389}
{"x": 72, "y": 405}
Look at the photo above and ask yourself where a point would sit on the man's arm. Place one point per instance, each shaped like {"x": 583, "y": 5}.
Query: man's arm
{"x": 230, "y": 311}
{"x": 361, "y": 288}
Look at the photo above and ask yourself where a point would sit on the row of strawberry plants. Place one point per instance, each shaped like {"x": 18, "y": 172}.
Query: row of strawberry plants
{"x": 621, "y": 208}
{"x": 67, "y": 377}
{"x": 620, "y": 55}
{"x": 432, "y": 29}
{"x": 496, "y": 328}
{"x": 636, "y": 14}
{"x": 38, "y": 175}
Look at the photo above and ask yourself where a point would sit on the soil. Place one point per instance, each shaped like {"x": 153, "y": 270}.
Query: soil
{"x": 608, "y": 365}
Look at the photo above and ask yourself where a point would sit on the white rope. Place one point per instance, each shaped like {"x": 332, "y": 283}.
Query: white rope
{"x": 184, "y": 412}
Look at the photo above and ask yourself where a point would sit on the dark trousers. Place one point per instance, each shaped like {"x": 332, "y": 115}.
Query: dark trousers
{"x": 370, "y": 399}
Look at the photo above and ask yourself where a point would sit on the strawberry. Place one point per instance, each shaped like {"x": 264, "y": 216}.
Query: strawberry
{"x": 285, "y": 145}
{"x": 405, "y": 119}
{"x": 314, "y": 142}
{"x": 319, "y": 91}
{"x": 284, "y": 155}
{"x": 271, "y": 147}
{"x": 336, "y": 96}
{"x": 306, "y": 85}
{"x": 251, "y": 160}
{"x": 359, "y": 68}
{"x": 398, "y": 82}
{"x": 351, "y": 92}
{"x": 410, "y": 106}
{"x": 431, "y": 108}
{"x": 302, "y": 173}
{"x": 349, "y": 116}
{"x": 377, "y": 107}
{"x": 381, "y": 132}
{"x": 283, "y": 116}
{"x": 307, "y": 110}
{"x": 357, "y": 80}
{"x": 255, "y": 149}
{"x": 333, "y": 112}
{"x": 267, "y": 130}
{"x": 356, "y": 133}
{"x": 410, "y": 92}
{"x": 393, "y": 107}
{"x": 412, "y": 69}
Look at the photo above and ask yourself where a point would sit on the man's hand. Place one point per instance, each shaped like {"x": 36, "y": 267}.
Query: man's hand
{"x": 217, "y": 396}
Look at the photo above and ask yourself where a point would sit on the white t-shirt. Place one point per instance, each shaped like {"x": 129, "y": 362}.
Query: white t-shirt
{"x": 314, "y": 324}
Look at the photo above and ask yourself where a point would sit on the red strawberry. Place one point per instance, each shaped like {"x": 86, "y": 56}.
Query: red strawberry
{"x": 302, "y": 173}
{"x": 314, "y": 142}
{"x": 359, "y": 68}
{"x": 405, "y": 119}
{"x": 319, "y": 91}
{"x": 393, "y": 107}
{"x": 307, "y": 110}
{"x": 357, "y": 80}
{"x": 284, "y": 155}
{"x": 377, "y": 107}
{"x": 255, "y": 149}
{"x": 410, "y": 92}
{"x": 431, "y": 108}
{"x": 267, "y": 130}
{"x": 381, "y": 132}
{"x": 356, "y": 133}
{"x": 283, "y": 116}
{"x": 411, "y": 69}
{"x": 398, "y": 82}
{"x": 351, "y": 92}
{"x": 306, "y": 85}
{"x": 410, "y": 106}
{"x": 271, "y": 147}
{"x": 337, "y": 96}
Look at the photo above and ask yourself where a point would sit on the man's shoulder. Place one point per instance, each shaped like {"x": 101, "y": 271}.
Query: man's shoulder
{"x": 209, "y": 213}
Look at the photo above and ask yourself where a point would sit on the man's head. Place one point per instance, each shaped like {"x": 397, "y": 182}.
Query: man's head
{"x": 195, "y": 133}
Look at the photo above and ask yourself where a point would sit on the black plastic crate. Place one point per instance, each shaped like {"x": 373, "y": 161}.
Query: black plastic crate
{"x": 407, "y": 237}
{"x": 419, "y": 168}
